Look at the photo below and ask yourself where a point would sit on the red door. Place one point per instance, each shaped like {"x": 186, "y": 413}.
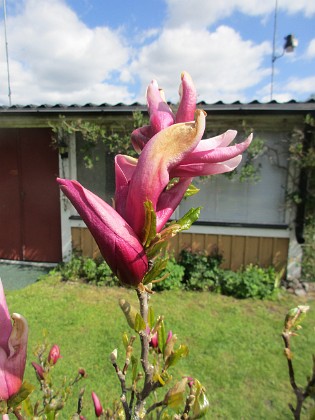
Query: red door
{"x": 29, "y": 196}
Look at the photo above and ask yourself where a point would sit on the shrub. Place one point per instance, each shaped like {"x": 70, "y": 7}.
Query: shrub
{"x": 86, "y": 269}
{"x": 202, "y": 271}
{"x": 174, "y": 280}
{"x": 251, "y": 282}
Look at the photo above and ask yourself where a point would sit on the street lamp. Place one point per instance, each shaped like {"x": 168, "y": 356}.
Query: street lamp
{"x": 289, "y": 46}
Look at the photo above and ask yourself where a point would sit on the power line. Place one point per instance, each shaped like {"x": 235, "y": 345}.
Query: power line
{"x": 7, "y": 49}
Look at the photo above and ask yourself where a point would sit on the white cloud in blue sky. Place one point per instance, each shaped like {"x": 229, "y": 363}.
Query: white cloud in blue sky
{"x": 79, "y": 51}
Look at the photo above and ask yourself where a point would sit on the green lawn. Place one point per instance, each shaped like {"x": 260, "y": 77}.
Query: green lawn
{"x": 235, "y": 346}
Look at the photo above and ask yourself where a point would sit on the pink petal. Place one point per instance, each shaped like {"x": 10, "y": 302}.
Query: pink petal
{"x": 218, "y": 141}
{"x": 117, "y": 241}
{"x": 161, "y": 115}
{"x": 124, "y": 169}
{"x": 97, "y": 405}
{"x": 203, "y": 169}
{"x": 15, "y": 364}
{"x": 163, "y": 152}
{"x": 220, "y": 154}
{"x": 5, "y": 321}
{"x": 188, "y": 98}
{"x": 140, "y": 137}
{"x": 168, "y": 202}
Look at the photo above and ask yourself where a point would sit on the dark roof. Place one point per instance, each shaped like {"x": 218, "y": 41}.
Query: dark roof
{"x": 254, "y": 106}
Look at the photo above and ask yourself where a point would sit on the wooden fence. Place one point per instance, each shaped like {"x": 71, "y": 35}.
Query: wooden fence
{"x": 237, "y": 251}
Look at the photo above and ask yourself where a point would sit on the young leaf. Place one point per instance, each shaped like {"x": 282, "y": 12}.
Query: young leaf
{"x": 125, "y": 340}
{"x": 134, "y": 364}
{"x": 162, "y": 337}
{"x": 149, "y": 223}
{"x": 201, "y": 403}
{"x": 158, "y": 266}
{"x": 191, "y": 190}
{"x": 151, "y": 317}
{"x": 183, "y": 351}
{"x": 139, "y": 323}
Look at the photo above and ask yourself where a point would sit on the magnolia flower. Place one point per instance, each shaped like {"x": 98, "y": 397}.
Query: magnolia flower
{"x": 174, "y": 152}
{"x": 13, "y": 346}
{"x": 117, "y": 242}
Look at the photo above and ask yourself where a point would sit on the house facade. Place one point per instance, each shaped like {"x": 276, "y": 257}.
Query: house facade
{"x": 247, "y": 222}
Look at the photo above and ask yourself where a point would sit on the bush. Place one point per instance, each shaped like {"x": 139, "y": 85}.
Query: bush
{"x": 174, "y": 280}
{"x": 251, "y": 282}
{"x": 86, "y": 269}
{"x": 202, "y": 271}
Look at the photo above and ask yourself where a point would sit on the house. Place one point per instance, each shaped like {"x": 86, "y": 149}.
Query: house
{"x": 248, "y": 222}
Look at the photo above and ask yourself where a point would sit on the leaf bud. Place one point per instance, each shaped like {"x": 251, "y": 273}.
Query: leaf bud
{"x": 39, "y": 370}
{"x": 113, "y": 356}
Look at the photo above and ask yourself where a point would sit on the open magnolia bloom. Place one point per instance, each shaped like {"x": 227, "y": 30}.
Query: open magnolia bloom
{"x": 13, "y": 348}
{"x": 116, "y": 240}
{"x": 177, "y": 151}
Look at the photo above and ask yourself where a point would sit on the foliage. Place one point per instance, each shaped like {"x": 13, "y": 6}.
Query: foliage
{"x": 116, "y": 140}
{"x": 202, "y": 271}
{"x": 251, "y": 282}
{"x": 193, "y": 271}
{"x": 308, "y": 263}
{"x": 174, "y": 279}
{"x": 88, "y": 270}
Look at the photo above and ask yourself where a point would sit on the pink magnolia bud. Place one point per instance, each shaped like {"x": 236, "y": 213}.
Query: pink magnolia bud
{"x": 97, "y": 405}
{"x": 54, "y": 354}
{"x": 82, "y": 372}
{"x": 154, "y": 341}
{"x": 39, "y": 370}
{"x": 169, "y": 336}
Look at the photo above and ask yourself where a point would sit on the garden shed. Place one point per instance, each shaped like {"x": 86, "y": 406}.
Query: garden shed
{"x": 246, "y": 221}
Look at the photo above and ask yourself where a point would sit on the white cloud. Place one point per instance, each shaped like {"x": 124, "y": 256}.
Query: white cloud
{"x": 53, "y": 53}
{"x": 310, "y": 52}
{"x": 204, "y": 12}
{"x": 304, "y": 85}
{"x": 221, "y": 63}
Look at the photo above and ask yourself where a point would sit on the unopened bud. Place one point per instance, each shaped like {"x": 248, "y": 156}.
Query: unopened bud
{"x": 39, "y": 370}
{"x": 54, "y": 354}
{"x": 97, "y": 405}
{"x": 113, "y": 356}
{"x": 154, "y": 341}
{"x": 82, "y": 373}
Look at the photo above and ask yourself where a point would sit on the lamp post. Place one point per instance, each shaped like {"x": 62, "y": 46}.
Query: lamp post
{"x": 290, "y": 43}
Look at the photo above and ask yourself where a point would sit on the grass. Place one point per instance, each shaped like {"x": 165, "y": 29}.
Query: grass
{"x": 235, "y": 346}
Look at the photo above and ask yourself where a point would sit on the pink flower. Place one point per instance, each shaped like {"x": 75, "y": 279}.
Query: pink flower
{"x": 13, "y": 347}
{"x": 54, "y": 354}
{"x": 175, "y": 152}
{"x": 97, "y": 405}
{"x": 117, "y": 241}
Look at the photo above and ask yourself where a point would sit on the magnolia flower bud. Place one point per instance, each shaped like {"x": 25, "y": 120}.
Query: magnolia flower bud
{"x": 54, "y": 354}
{"x": 39, "y": 370}
{"x": 97, "y": 405}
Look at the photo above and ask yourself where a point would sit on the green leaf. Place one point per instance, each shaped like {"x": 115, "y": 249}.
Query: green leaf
{"x": 162, "y": 337}
{"x": 151, "y": 317}
{"x": 191, "y": 190}
{"x": 175, "y": 397}
{"x": 156, "y": 248}
{"x": 183, "y": 351}
{"x": 125, "y": 340}
{"x": 139, "y": 323}
{"x": 201, "y": 404}
{"x": 25, "y": 390}
{"x": 158, "y": 266}
{"x": 149, "y": 223}
{"x": 28, "y": 408}
{"x": 189, "y": 218}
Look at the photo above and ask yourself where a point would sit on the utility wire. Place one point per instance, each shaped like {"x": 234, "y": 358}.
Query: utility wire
{"x": 7, "y": 49}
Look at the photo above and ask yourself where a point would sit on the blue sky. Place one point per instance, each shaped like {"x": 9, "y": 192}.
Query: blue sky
{"x": 80, "y": 51}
